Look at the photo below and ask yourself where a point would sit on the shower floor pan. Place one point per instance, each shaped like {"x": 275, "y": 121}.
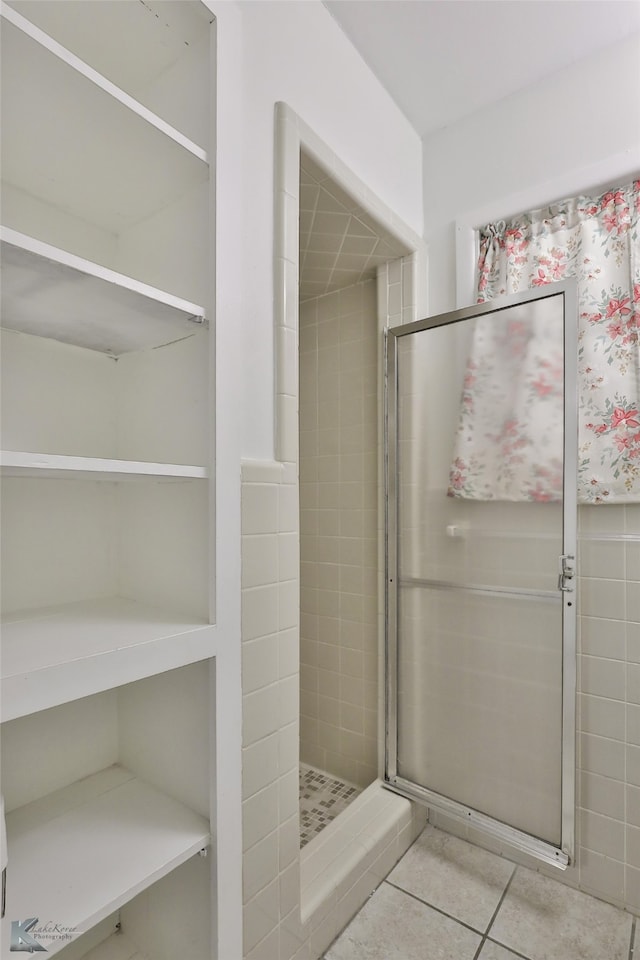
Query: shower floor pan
{"x": 322, "y": 799}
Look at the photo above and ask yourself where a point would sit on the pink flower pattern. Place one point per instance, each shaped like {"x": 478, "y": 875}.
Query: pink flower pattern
{"x": 508, "y": 446}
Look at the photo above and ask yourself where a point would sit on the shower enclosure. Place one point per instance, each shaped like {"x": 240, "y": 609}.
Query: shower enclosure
{"x": 481, "y": 529}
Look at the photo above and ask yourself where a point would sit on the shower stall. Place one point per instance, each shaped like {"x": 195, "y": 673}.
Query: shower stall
{"x": 342, "y": 249}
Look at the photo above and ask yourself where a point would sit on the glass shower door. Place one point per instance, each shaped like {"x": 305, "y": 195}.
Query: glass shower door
{"x": 481, "y": 530}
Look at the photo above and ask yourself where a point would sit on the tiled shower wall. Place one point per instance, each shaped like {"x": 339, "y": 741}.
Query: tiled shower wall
{"x": 339, "y": 533}
{"x": 609, "y": 702}
{"x": 608, "y": 711}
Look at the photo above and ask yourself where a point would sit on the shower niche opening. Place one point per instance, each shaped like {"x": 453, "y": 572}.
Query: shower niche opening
{"x": 342, "y": 251}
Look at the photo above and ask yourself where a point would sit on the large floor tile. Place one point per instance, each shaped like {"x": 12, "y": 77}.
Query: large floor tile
{"x": 546, "y": 920}
{"x": 395, "y": 926}
{"x": 493, "y": 951}
{"x": 454, "y": 876}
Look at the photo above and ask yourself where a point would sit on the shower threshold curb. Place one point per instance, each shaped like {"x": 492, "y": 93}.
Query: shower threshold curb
{"x": 345, "y": 863}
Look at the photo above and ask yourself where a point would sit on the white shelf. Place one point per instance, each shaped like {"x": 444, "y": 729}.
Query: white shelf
{"x": 79, "y": 854}
{"x": 73, "y": 139}
{"x": 58, "y": 467}
{"x": 56, "y": 654}
{"x": 51, "y": 293}
{"x": 66, "y": 56}
{"x": 160, "y": 60}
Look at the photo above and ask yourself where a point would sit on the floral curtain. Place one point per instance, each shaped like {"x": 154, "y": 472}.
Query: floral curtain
{"x": 509, "y": 449}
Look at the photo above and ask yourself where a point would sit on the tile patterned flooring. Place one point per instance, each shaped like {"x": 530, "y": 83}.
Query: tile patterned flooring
{"x": 322, "y": 798}
{"x": 449, "y": 900}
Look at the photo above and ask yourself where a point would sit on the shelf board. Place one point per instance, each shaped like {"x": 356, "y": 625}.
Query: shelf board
{"x": 103, "y": 83}
{"x": 157, "y": 48}
{"x": 49, "y": 292}
{"x": 79, "y": 854}
{"x": 58, "y": 467}
{"x": 55, "y": 654}
{"x": 75, "y": 140}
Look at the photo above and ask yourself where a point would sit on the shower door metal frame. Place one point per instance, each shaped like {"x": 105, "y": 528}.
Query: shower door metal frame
{"x": 562, "y": 855}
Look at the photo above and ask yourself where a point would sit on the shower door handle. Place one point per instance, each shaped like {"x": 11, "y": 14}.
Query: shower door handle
{"x": 567, "y": 573}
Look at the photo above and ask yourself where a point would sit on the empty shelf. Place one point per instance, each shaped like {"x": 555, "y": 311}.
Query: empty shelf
{"x": 49, "y": 292}
{"x": 79, "y": 854}
{"x": 55, "y": 654}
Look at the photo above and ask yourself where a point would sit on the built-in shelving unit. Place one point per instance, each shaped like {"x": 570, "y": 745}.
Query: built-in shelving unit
{"x": 107, "y": 472}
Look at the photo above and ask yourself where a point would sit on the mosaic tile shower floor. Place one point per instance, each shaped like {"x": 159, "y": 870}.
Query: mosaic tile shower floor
{"x": 322, "y": 799}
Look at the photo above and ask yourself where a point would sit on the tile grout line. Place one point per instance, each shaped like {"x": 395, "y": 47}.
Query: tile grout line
{"x": 425, "y": 903}
{"x": 495, "y": 914}
{"x": 516, "y": 953}
{"x": 632, "y": 941}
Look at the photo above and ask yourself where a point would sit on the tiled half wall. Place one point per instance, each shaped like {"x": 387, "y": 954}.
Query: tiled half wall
{"x": 294, "y": 904}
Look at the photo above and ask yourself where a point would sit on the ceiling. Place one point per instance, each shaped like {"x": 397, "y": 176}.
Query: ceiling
{"x": 442, "y": 60}
{"x": 340, "y": 244}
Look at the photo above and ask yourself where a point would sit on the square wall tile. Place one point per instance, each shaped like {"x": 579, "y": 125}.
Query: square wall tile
{"x": 259, "y": 611}
{"x": 259, "y": 663}
{"x": 594, "y": 519}
{"x": 602, "y": 835}
{"x": 260, "y": 765}
{"x": 602, "y": 598}
{"x": 260, "y": 920}
{"x": 259, "y": 560}
{"x": 602, "y": 559}
{"x": 603, "y": 678}
{"x": 261, "y": 713}
{"x": 601, "y": 716}
{"x": 602, "y": 795}
{"x": 603, "y": 638}
{"x": 601, "y": 875}
{"x": 259, "y": 508}
{"x": 260, "y": 865}
{"x": 603, "y": 756}
{"x": 260, "y": 815}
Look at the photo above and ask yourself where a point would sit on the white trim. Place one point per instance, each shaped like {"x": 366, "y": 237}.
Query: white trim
{"x": 227, "y": 151}
{"x": 466, "y": 263}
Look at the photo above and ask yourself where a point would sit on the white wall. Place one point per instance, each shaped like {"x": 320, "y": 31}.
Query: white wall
{"x": 535, "y": 146}
{"x": 296, "y": 53}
